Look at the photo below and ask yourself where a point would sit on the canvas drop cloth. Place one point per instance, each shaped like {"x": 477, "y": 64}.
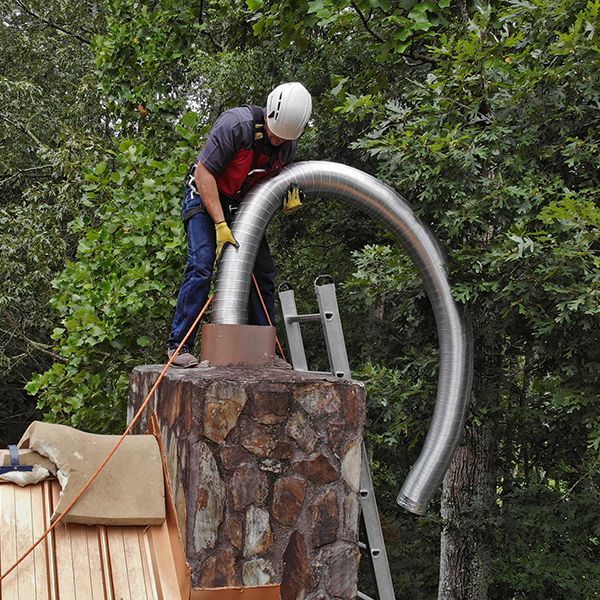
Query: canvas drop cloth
{"x": 129, "y": 491}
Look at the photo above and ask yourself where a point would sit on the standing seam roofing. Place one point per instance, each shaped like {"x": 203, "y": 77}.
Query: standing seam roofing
{"x": 84, "y": 562}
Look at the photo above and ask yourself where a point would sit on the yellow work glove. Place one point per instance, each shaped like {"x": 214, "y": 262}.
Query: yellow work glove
{"x": 292, "y": 200}
{"x": 224, "y": 236}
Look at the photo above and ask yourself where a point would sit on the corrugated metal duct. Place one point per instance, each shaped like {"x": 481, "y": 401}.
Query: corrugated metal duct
{"x": 327, "y": 179}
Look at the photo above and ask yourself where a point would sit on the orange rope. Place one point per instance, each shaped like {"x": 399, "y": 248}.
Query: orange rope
{"x": 117, "y": 446}
{"x": 268, "y": 317}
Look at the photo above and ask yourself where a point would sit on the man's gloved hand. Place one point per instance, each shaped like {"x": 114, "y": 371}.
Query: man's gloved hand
{"x": 292, "y": 200}
{"x": 224, "y": 236}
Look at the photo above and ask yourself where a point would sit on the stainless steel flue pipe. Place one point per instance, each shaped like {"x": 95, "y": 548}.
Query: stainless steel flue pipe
{"x": 327, "y": 179}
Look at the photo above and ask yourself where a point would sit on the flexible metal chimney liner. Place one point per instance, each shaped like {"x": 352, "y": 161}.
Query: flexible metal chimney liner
{"x": 327, "y": 179}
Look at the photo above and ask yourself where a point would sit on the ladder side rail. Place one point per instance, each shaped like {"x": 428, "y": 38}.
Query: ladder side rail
{"x": 332, "y": 328}
{"x": 376, "y": 543}
{"x": 293, "y": 332}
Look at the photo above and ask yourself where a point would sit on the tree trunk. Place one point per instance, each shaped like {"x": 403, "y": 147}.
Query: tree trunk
{"x": 467, "y": 501}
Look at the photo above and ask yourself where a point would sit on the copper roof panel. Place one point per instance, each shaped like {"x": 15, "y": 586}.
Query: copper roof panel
{"x": 81, "y": 561}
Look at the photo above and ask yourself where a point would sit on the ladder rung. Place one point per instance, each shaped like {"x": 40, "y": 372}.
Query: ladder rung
{"x": 363, "y": 596}
{"x": 303, "y": 318}
{"x": 328, "y": 373}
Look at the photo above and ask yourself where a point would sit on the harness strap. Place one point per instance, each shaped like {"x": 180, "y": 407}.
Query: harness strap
{"x": 258, "y": 148}
{"x": 229, "y": 205}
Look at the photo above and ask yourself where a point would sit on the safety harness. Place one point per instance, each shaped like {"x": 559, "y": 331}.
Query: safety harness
{"x": 259, "y": 149}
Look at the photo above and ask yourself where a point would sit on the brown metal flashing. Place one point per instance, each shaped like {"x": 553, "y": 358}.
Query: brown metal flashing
{"x": 181, "y": 566}
{"x": 250, "y": 345}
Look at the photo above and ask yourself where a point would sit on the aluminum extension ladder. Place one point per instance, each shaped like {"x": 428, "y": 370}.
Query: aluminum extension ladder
{"x": 329, "y": 317}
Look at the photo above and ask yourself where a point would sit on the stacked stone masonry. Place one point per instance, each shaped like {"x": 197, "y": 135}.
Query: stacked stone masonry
{"x": 265, "y": 467}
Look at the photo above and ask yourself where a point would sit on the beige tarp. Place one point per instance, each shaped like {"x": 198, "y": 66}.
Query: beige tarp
{"x": 129, "y": 490}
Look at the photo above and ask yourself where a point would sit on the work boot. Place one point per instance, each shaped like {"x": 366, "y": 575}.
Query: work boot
{"x": 184, "y": 360}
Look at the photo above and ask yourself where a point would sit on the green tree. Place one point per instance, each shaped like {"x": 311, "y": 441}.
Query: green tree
{"x": 497, "y": 147}
{"x": 50, "y": 125}
{"x": 485, "y": 118}
{"x": 114, "y": 299}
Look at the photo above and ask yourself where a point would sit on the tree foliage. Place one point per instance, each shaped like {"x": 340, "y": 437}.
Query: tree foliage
{"x": 114, "y": 299}
{"x": 484, "y": 115}
{"x": 496, "y": 147}
{"x": 49, "y": 125}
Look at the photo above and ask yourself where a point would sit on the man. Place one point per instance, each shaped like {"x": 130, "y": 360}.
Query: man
{"x": 246, "y": 145}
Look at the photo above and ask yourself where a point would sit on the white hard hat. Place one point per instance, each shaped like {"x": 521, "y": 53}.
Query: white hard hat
{"x": 288, "y": 110}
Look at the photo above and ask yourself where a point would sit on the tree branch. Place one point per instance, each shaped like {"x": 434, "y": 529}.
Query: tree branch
{"x": 423, "y": 58}
{"x": 51, "y": 24}
{"x": 412, "y": 54}
{"x": 365, "y": 23}
{"x": 464, "y": 11}
{"x": 32, "y": 344}
{"x": 19, "y": 171}
{"x": 23, "y": 128}
{"x": 14, "y": 417}
{"x": 572, "y": 488}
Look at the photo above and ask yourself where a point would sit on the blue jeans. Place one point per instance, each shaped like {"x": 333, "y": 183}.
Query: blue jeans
{"x": 193, "y": 294}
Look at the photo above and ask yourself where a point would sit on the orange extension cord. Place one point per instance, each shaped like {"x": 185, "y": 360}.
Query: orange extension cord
{"x": 130, "y": 427}
{"x": 268, "y": 317}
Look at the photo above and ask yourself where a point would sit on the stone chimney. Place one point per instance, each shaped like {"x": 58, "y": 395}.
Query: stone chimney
{"x": 265, "y": 467}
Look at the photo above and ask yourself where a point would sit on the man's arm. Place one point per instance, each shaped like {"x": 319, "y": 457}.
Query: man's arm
{"x": 206, "y": 184}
